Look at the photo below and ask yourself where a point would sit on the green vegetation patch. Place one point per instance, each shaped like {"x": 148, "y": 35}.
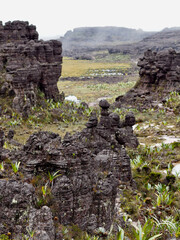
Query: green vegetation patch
{"x": 90, "y": 91}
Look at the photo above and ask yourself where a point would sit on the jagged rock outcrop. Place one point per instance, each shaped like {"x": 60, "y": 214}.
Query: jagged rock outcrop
{"x": 159, "y": 75}
{"x": 17, "y": 31}
{"x": 91, "y": 164}
{"x": 27, "y": 65}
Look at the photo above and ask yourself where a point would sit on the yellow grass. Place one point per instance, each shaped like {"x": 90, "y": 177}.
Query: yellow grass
{"x": 78, "y": 68}
{"x": 59, "y": 128}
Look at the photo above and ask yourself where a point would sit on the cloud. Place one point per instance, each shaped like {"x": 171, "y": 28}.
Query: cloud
{"x": 55, "y": 17}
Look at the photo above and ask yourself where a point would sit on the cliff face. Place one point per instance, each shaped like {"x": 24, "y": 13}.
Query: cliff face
{"x": 27, "y": 64}
{"x": 159, "y": 75}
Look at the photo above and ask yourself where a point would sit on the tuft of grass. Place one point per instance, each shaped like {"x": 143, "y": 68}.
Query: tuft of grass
{"x": 15, "y": 166}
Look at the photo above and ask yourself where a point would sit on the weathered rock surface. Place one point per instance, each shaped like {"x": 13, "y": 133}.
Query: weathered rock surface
{"x": 16, "y": 198}
{"x": 159, "y": 75}
{"x": 28, "y": 65}
{"x": 18, "y": 213}
{"x": 41, "y": 222}
{"x": 19, "y": 31}
{"x": 92, "y": 164}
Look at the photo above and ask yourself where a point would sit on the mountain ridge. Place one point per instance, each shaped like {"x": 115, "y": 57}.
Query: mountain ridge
{"x": 95, "y": 36}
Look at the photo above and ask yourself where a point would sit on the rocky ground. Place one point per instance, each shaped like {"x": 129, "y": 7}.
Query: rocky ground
{"x": 71, "y": 171}
{"x": 155, "y": 191}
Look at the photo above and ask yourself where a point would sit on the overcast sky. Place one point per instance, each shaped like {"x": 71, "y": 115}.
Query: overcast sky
{"x": 55, "y": 17}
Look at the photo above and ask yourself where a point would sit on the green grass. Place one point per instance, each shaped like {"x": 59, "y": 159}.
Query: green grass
{"x": 115, "y": 57}
{"x": 90, "y": 91}
{"x": 56, "y": 117}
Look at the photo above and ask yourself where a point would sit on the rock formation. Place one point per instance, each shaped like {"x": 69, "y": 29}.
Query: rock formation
{"x": 17, "y": 31}
{"x": 159, "y": 75}
{"x": 91, "y": 164}
{"x": 27, "y": 64}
